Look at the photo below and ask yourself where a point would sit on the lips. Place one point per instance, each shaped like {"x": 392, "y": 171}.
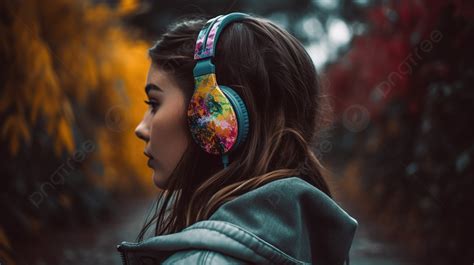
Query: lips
{"x": 147, "y": 154}
{"x": 150, "y": 158}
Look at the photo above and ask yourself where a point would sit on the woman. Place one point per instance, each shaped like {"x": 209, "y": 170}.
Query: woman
{"x": 235, "y": 105}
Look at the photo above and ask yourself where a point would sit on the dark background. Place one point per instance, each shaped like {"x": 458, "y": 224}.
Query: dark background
{"x": 400, "y": 79}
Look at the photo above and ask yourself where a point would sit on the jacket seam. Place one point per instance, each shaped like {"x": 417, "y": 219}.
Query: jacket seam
{"x": 232, "y": 239}
{"x": 265, "y": 244}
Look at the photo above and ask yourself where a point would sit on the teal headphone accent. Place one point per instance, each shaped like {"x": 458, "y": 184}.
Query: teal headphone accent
{"x": 217, "y": 115}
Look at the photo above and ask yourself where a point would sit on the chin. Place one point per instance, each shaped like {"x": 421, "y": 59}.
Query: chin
{"x": 159, "y": 180}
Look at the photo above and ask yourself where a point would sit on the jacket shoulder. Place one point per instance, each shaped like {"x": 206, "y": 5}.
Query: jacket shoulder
{"x": 296, "y": 218}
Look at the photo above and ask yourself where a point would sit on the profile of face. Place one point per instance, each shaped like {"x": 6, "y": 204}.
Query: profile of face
{"x": 164, "y": 125}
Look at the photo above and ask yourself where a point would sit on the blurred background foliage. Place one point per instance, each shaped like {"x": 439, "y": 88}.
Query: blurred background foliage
{"x": 71, "y": 86}
{"x": 399, "y": 75}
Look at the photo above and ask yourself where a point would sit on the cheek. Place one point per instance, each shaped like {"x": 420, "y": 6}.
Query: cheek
{"x": 168, "y": 137}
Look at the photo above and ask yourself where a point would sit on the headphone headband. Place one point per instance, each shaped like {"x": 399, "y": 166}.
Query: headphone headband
{"x": 207, "y": 41}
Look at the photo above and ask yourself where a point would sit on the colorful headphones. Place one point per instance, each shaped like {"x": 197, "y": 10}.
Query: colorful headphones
{"x": 217, "y": 116}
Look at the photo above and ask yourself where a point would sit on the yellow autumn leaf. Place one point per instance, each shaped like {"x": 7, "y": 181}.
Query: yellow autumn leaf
{"x": 64, "y": 140}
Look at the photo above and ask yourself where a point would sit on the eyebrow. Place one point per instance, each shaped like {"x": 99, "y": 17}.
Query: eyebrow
{"x": 152, "y": 87}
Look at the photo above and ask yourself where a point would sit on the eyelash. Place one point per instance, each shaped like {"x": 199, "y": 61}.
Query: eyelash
{"x": 152, "y": 104}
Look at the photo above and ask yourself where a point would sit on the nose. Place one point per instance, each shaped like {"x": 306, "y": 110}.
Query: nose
{"x": 142, "y": 132}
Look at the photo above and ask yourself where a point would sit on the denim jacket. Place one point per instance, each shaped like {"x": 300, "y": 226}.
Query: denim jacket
{"x": 286, "y": 221}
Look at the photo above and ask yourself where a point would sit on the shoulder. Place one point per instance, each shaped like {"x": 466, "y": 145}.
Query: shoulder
{"x": 295, "y": 217}
{"x": 290, "y": 197}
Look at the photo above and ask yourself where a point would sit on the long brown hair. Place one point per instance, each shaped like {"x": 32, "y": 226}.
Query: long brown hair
{"x": 271, "y": 71}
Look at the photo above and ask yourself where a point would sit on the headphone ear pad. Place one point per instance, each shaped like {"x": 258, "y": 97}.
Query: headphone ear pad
{"x": 241, "y": 113}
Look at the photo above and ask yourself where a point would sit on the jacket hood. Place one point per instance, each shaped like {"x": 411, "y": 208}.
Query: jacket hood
{"x": 286, "y": 221}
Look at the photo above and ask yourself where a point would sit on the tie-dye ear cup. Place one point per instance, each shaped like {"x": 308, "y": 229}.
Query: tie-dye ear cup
{"x": 212, "y": 118}
{"x": 217, "y": 116}
{"x": 242, "y": 114}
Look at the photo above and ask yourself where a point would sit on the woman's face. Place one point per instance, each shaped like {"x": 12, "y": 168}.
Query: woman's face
{"x": 164, "y": 126}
